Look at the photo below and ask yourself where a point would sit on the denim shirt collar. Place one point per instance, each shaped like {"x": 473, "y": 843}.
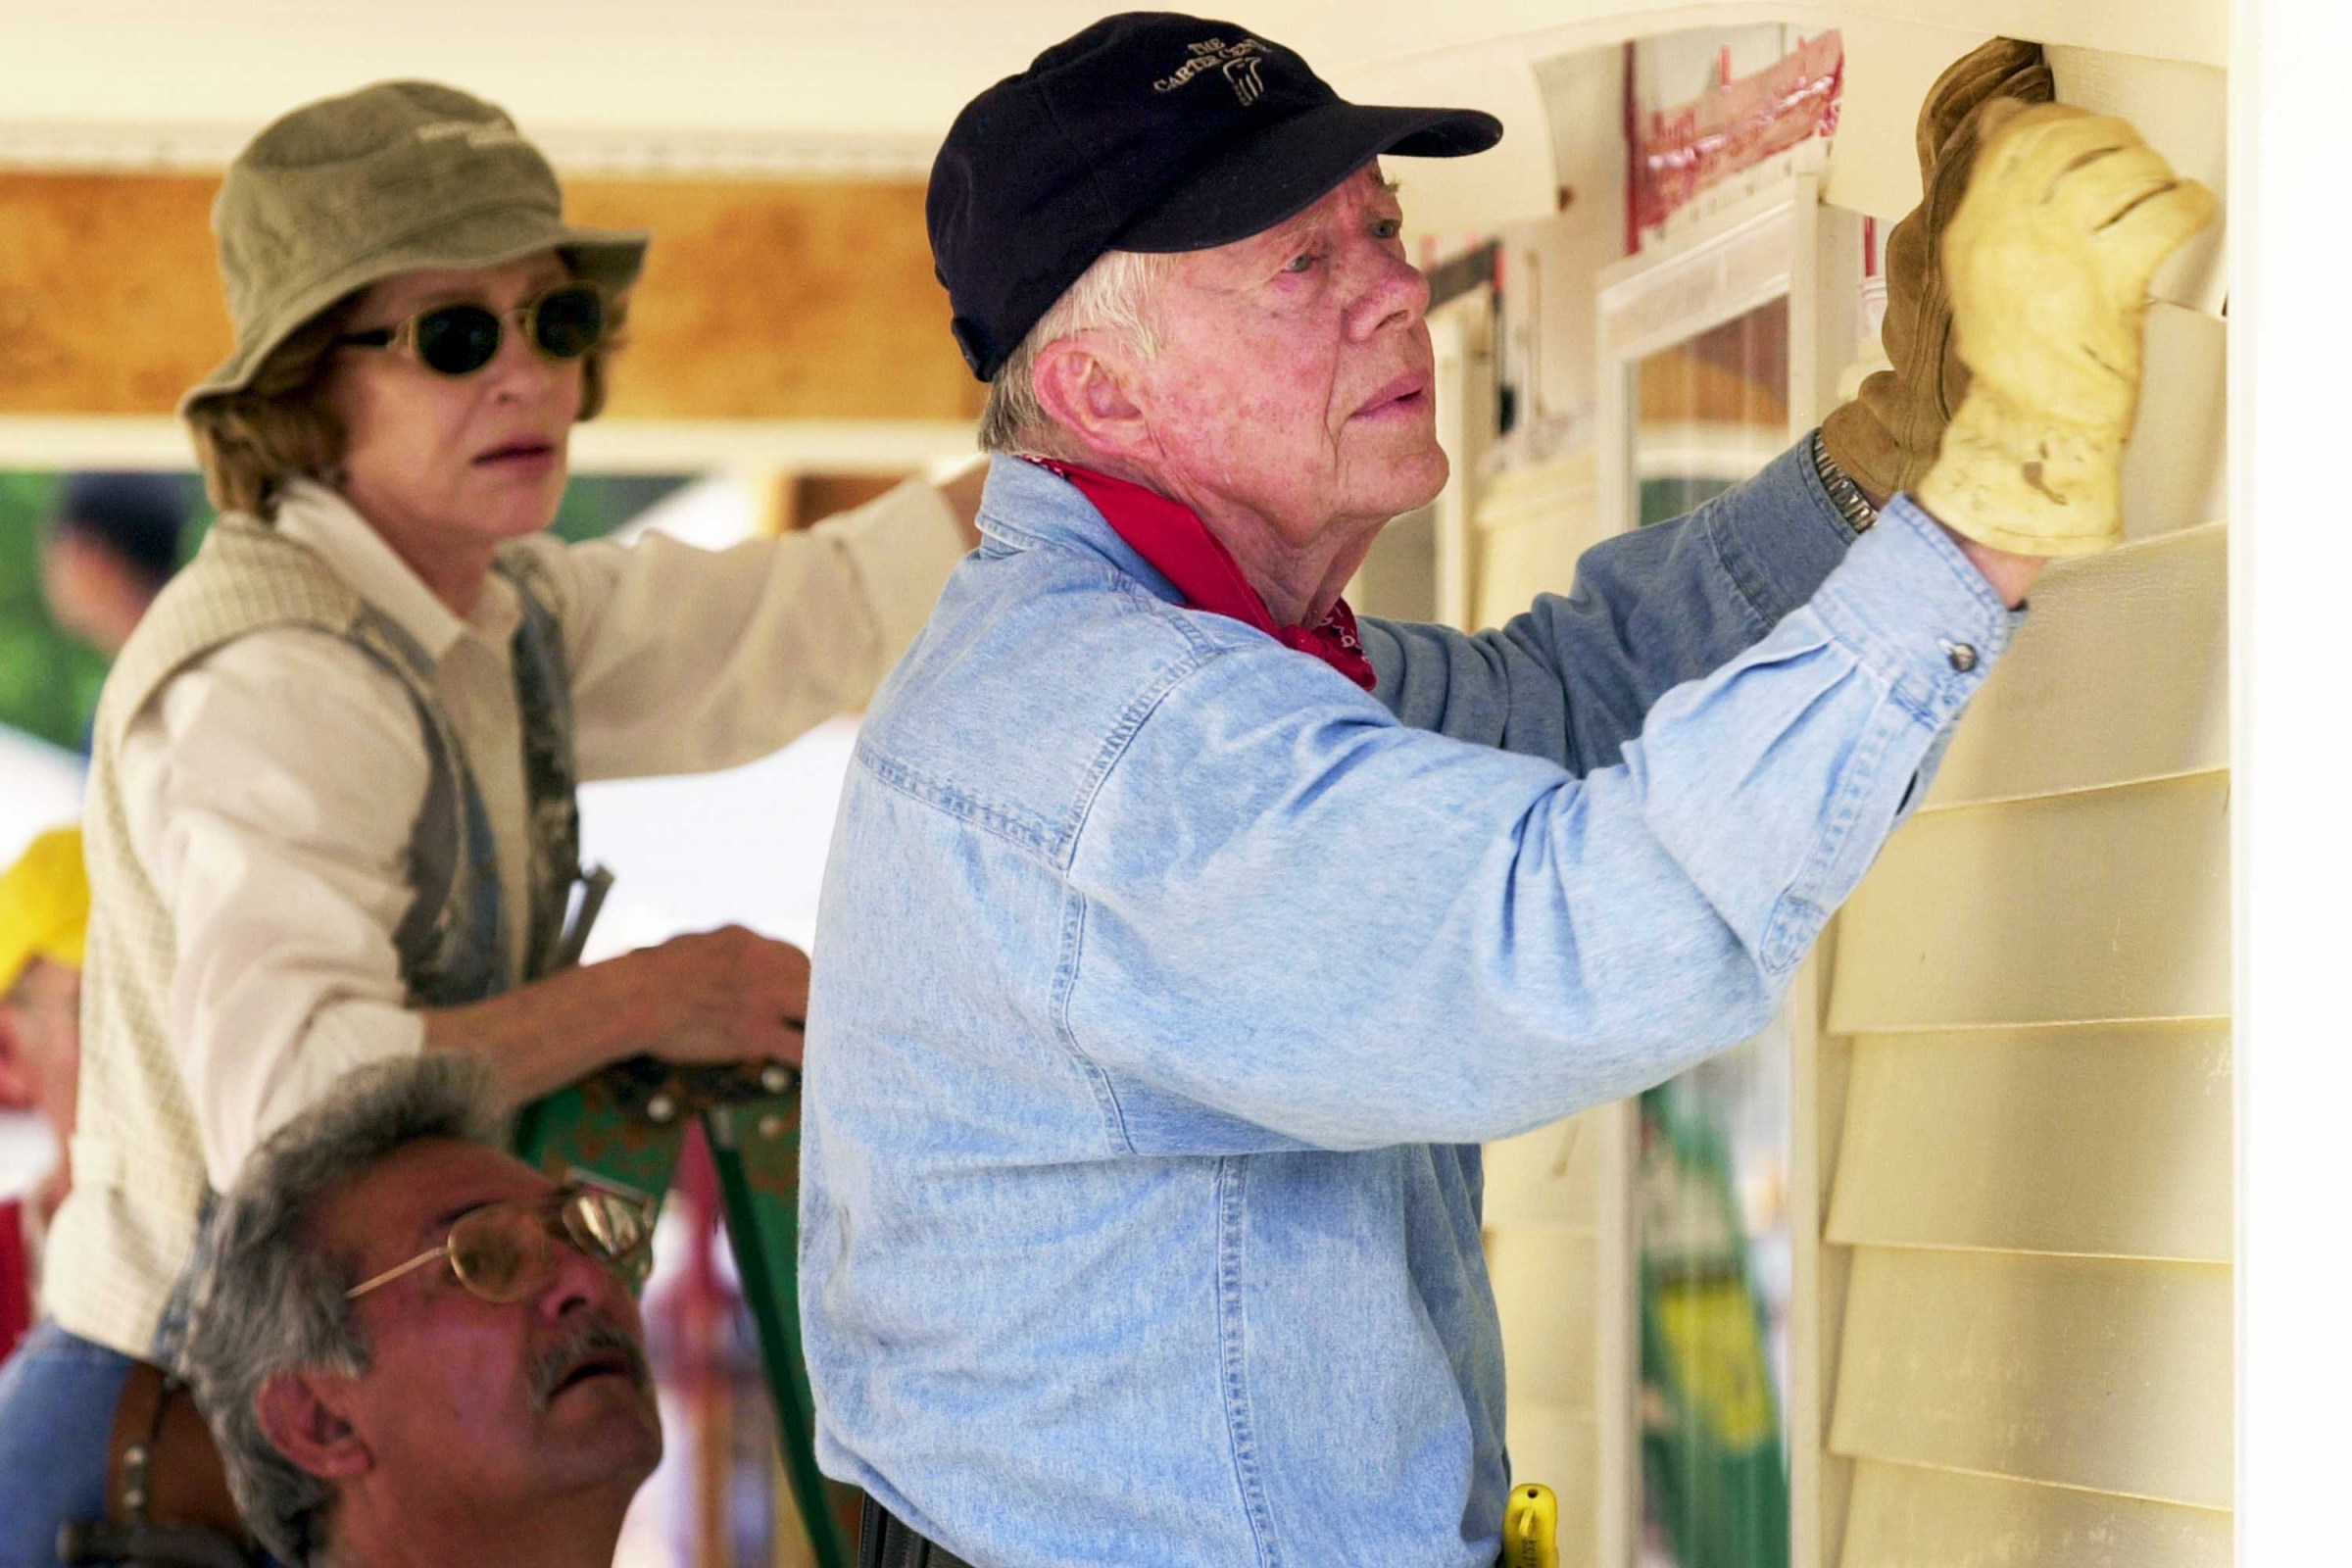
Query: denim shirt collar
{"x": 1024, "y": 506}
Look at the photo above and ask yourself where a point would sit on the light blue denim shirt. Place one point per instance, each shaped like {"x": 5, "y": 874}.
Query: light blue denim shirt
{"x": 1166, "y": 984}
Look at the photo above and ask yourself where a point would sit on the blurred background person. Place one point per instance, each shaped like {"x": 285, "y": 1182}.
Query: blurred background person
{"x": 111, "y": 545}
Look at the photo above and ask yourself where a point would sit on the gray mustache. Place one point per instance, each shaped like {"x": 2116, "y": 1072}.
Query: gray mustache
{"x": 588, "y": 1341}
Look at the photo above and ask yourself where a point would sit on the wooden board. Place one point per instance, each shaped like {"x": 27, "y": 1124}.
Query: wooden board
{"x": 2081, "y": 1372}
{"x": 1548, "y": 1179}
{"x": 109, "y": 297}
{"x": 1547, "y": 1292}
{"x": 1904, "y": 1517}
{"x": 760, "y": 300}
{"x": 2109, "y": 1140}
{"x": 2122, "y": 673}
{"x": 782, "y": 301}
{"x": 2074, "y": 909}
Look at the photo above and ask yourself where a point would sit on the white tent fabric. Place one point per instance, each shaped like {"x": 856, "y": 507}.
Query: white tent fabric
{"x": 40, "y": 788}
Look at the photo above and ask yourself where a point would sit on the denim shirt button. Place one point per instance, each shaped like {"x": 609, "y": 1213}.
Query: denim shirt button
{"x": 1962, "y": 655}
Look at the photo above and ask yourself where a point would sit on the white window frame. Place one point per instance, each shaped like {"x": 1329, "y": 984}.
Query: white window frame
{"x": 1780, "y": 243}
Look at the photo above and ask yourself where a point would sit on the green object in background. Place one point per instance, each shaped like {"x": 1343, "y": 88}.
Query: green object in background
{"x": 595, "y": 504}
{"x": 49, "y": 681}
{"x": 1711, "y": 1454}
{"x": 627, "y": 1125}
{"x": 1662, "y": 500}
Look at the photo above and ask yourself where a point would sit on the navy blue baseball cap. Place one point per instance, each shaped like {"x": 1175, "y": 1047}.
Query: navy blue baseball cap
{"x": 1148, "y": 131}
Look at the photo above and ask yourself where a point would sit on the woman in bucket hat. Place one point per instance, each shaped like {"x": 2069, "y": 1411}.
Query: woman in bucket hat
{"x": 331, "y": 810}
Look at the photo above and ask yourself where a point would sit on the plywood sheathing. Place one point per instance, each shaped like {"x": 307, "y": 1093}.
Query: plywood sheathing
{"x": 760, "y": 300}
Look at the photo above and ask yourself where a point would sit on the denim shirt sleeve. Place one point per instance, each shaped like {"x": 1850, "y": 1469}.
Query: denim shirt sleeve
{"x": 1297, "y": 917}
{"x": 1571, "y": 679}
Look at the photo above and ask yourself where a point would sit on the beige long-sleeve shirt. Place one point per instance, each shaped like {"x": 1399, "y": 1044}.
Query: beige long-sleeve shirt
{"x": 270, "y": 788}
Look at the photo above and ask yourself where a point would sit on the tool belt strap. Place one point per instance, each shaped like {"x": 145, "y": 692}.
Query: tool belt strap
{"x": 160, "y": 1465}
{"x": 883, "y": 1541}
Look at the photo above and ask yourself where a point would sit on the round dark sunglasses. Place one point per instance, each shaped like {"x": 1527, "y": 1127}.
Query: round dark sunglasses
{"x": 563, "y": 323}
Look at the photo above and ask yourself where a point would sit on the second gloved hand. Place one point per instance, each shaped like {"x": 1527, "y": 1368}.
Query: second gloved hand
{"x": 1884, "y": 439}
{"x": 2067, "y": 218}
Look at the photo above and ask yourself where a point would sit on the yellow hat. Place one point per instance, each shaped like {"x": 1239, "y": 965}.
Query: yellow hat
{"x": 45, "y": 904}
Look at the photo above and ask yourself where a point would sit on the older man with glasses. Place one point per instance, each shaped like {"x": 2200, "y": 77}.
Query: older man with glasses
{"x": 1171, "y": 976}
{"x": 414, "y": 1348}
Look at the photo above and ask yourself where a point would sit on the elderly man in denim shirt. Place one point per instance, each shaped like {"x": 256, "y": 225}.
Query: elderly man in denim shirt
{"x": 1183, "y": 938}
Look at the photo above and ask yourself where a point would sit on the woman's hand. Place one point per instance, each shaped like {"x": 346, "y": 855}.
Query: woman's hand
{"x": 729, "y": 995}
{"x": 721, "y": 996}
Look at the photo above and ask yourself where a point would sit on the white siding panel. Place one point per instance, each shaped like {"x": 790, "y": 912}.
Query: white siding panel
{"x": 1547, "y": 1293}
{"x": 2081, "y": 1372}
{"x": 2176, "y": 470}
{"x": 1548, "y": 1179}
{"x": 2121, "y": 674}
{"x": 2081, "y": 909}
{"x": 1531, "y": 525}
{"x": 1904, "y": 1517}
{"x": 2108, "y": 1139}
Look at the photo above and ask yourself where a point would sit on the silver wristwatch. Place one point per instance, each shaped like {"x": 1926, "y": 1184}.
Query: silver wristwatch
{"x": 1845, "y": 495}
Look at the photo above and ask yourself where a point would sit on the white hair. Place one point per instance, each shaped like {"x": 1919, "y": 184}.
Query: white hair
{"x": 1116, "y": 294}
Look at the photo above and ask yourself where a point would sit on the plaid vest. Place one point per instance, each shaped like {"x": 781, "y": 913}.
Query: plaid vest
{"x": 122, "y": 1251}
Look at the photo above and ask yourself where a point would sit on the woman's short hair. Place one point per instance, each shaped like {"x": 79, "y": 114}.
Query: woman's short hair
{"x": 278, "y": 427}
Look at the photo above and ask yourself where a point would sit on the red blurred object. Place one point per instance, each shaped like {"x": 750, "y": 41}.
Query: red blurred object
{"x": 1680, "y": 150}
{"x": 1633, "y": 155}
{"x": 16, "y": 1278}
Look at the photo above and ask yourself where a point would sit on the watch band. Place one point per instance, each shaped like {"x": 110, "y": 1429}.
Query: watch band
{"x": 1845, "y": 495}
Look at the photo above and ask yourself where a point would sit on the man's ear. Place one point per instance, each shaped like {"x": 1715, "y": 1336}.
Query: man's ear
{"x": 304, "y": 1416}
{"x": 1084, "y": 385}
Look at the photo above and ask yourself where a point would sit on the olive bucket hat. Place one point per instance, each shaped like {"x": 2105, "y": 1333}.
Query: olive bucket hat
{"x": 397, "y": 177}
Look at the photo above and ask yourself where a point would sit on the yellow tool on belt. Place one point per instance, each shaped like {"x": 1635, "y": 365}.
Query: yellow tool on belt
{"x": 1530, "y": 1523}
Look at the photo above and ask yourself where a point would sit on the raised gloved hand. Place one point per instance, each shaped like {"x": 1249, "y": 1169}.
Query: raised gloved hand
{"x": 2048, "y": 260}
{"x": 1887, "y": 436}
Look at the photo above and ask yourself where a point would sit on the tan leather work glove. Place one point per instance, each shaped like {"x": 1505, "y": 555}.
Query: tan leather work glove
{"x": 1886, "y": 437}
{"x": 2050, "y": 257}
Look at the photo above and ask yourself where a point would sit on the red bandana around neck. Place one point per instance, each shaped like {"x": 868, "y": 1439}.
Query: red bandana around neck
{"x": 1171, "y": 536}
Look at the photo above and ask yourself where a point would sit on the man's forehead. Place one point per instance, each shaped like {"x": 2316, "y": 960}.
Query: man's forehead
{"x": 414, "y": 1193}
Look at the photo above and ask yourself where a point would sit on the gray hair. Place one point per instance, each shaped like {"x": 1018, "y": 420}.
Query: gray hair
{"x": 1116, "y": 294}
{"x": 269, "y": 1300}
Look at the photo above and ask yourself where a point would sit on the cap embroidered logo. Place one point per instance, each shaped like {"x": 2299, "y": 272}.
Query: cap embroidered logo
{"x": 1242, "y": 73}
{"x": 1237, "y": 61}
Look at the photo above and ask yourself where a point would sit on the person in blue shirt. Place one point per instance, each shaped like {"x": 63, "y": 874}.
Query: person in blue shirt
{"x": 1183, "y": 936}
